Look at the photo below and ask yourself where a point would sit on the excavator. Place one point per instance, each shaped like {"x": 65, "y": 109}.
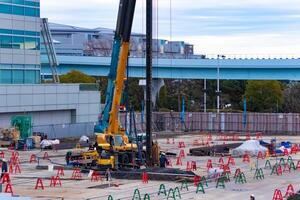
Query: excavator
{"x": 112, "y": 148}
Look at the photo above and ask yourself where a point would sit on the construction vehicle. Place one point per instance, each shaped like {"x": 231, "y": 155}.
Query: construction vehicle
{"x": 113, "y": 148}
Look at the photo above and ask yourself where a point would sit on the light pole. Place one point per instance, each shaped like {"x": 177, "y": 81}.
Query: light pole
{"x": 218, "y": 83}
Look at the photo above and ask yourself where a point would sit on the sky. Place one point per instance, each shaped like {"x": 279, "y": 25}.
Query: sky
{"x": 232, "y": 27}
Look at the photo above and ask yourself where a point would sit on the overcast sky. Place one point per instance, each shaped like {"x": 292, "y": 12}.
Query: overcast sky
{"x": 253, "y": 27}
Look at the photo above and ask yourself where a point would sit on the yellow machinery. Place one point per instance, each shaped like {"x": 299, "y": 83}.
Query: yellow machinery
{"x": 113, "y": 148}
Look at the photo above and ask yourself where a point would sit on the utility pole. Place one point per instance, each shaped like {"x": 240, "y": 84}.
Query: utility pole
{"x": 218, "y": 85}
{"x": 149, "y": 10}
{"x": 218, "y": 92}
{"x": 204, "y": 96}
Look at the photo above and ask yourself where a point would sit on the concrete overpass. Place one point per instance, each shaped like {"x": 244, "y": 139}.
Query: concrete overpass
{"x": 235, "y": 69}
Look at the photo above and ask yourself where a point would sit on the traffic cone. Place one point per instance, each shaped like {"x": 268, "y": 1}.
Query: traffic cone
{"x": 260, "y": 155}
{"x": 221, "y": 161}
{"x": 46, "y": 156}
{"x": 196, "y": 180}
{"x": 95, "y": 176}
{"x": 76, "y": 174}
{"x": 285, "y": 152}
{"x": 179, "y": 161}
{"x": 169, "y": 162}
{"x": 294, "y": 149}
{"x": 58, "y": 181}
{"x": 17, "y": 169}
{"x": 246, "y": 158}
{"x": 188, "y": 166}
{"x": 39, "y": 184}
{"x": 231, "y": 161}
{"x": 298, "y": 165}
{"x": 145, "y": 177}
{"x": 194, "y": 165}
{"x": 52, "y": 181}
{"x": 289, "y": 191}
{"x": 60, "y": 172}
{"x": 2, "y": 154}
{"x": 277, "y": 195}
{"x": 5, "y": 178}
{"x": 209, "y": 164}
{"x": 8, "y": 189}
{"x": 181, "y": 153}
{"x": 10, "y": 169}
{"x": 32, "y": 158}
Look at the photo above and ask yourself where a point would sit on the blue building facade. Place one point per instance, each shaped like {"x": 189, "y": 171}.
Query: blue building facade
{"x": 20, "y": 41}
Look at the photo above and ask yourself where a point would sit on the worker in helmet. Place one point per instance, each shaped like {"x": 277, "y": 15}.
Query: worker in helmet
{"x": 252, "y": 197}
{"x": 163, "y": 160}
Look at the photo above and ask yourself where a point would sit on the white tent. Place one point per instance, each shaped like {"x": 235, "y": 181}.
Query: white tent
{"x": 251, "y": 147}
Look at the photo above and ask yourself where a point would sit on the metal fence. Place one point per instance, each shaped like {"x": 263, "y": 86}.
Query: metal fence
{"x": 274, "y": 123}
{"x": 65, "y": 130}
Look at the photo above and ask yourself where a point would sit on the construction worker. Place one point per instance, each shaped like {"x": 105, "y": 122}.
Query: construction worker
{"x": 68, "y": 156}
{"x": 4, "y": 167}
{"x": 252, "y": 197}
{"x": 108, "y": 175}
{"x": 163, "y": 160}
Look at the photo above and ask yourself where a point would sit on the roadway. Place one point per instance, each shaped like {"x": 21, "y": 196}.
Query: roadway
{"x": 234, "y": 69}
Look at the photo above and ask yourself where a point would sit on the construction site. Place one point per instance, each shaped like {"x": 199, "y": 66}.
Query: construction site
{"x": 57, "y": 141}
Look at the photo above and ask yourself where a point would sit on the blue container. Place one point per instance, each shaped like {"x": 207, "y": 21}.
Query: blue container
{"x": 29, "y": 143}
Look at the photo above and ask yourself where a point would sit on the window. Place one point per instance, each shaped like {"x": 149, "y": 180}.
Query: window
{"x": 31, "y": 3}
{"x": 5, "y": 1}
{"x": 30, "y": 12}
{"x": 5, "y": 41}
{"x": 17, "y": 32}
{"x": 18, "y": 42}
{"x": 30, "y": 43}
{"x": 20, "y": 2}
{"x": 18, "y": 76}
{"x": 5, "y": 31}
{"x": 29, "y": 76}
{"x": 5, "y": 76}
{"x": 6, "y": 9}
{"x": 18, "y": 10}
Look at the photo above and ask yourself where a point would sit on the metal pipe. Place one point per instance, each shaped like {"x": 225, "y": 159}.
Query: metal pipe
{"x": 205, "y": 97}
{"x": 218, "y": 85}
{"x": 149, "y": 10}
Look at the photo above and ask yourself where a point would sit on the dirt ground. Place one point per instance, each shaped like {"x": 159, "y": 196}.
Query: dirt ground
{"x": 24, "y": 184}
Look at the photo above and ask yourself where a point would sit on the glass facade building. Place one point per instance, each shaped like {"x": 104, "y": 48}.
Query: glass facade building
{"x": 20, "y": 41}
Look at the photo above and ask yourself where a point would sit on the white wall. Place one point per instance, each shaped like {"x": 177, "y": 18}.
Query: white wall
{"x": 49, "y": 103}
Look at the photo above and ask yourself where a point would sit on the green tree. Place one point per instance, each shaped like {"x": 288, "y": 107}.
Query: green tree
{"x": 291, "y": 96}
{"x": 162, "y": 99}
{"x": 264, "y": 96}
{"x": 75, "y": 76}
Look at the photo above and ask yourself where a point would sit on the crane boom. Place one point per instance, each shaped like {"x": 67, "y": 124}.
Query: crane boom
{"x": 113, "y": 127}
{"x": 101, "y": 127}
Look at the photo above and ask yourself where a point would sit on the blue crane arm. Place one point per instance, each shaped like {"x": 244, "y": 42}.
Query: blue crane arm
{"x": 104, "y": 120}
{"x": 119, "y": 33}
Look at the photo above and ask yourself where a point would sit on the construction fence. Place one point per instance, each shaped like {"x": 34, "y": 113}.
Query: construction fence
{"x": 273, "y": 123}
{"x": 268, "y": 123}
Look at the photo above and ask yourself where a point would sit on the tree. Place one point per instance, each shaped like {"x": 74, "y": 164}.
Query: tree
{"x": 291, "y": 96}
{"x": 75, "y": 76}
{"x": 162, "y": 99}
{"x": 264, "y": 96}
